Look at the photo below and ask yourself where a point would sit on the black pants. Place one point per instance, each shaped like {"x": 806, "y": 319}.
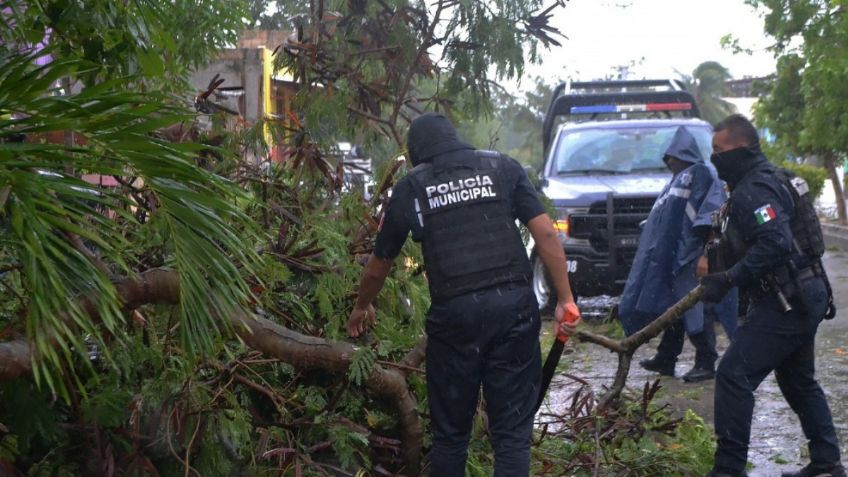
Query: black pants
{"x": 488, "y": 338}
{"x": 772, "y": 340}
{"x": 671, "y": 344}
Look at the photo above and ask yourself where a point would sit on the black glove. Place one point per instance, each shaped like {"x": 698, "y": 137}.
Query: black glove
{"x": 716, "y": 285}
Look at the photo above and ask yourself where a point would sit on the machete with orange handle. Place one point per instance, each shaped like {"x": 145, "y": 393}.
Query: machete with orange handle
{"x": 572, "y": 315}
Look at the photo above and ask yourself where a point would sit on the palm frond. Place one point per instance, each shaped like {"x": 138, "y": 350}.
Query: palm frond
{"x": 48, "y": 206}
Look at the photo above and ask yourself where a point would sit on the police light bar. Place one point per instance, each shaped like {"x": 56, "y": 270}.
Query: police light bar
{"x": 630, "y": 108}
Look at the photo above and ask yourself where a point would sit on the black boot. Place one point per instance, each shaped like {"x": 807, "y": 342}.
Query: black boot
{"x": 658, "y": 365}
{"x": 817, "y": 471}
{"x": 699, "y": 373}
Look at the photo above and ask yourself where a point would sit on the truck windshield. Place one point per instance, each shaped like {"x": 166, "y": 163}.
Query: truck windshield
{"x": 621, "y": 150}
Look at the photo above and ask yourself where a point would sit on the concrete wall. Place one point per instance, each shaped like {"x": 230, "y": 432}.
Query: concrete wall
{"x": 835, "y": 236}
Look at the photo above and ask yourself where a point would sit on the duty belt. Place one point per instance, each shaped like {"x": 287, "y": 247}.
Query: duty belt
{"x": 799, "y": 275}
{"x": 789, "y": 291}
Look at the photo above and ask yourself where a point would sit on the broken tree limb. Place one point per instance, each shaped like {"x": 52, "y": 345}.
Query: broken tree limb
{"x": 309, "y": 352}
{"x": 155, "y": 286}
{"x": 162, "y": 286}
{"x": 416, "y": 355}
{"x": 627, "y": 346}
{"x": 601, "y": 340}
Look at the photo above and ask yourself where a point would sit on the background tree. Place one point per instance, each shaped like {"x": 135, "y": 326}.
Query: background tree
{"x": 266, "y": 15}
{"x": 387, "y": 61}
{"x": 707, "y": 85}
{"x": 515, "y": 125}
{"x": 806, "y": 106}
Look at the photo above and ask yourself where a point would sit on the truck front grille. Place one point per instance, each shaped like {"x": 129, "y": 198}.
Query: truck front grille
{"x": 628, "y": 213}
{"x": 625, "y": 205}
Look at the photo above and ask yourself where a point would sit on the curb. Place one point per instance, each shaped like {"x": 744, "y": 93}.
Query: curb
{"x": 835, "y": 235}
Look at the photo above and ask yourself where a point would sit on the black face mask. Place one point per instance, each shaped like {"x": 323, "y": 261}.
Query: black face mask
{"x": 731, "y": 165}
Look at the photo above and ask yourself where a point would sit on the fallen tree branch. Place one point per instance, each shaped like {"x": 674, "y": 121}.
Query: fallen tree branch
{"x": 601, "y": 340}
{"x": 627, "y": 346}
{"x": 317, "y": 353}
{"x": 415, "y": 357}
{"x": 161, "y": 286}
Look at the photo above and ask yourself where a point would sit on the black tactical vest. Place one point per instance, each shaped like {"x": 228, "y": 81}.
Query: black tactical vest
{"x": 470, "y": 240}
{"x": 805, "y": 226}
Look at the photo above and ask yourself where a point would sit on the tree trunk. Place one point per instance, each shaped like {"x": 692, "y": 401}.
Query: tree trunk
{"x": 830, "y": 160}
{"x": 161, "y": 286}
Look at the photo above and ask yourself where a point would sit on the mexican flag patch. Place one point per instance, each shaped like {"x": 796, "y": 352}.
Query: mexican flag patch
{"x": 764, "y": 214}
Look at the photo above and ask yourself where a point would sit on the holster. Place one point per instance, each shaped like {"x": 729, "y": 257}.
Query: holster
{"x": 787, "y": 282}
{"x": 715, "y": 257}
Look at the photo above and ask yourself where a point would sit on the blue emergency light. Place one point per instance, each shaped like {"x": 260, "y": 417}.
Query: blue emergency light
{"x": 630, "y": 108}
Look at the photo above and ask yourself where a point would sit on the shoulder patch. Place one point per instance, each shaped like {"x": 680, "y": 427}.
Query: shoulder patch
{"x": 764, "y": 214}
{"x": 685, "y": 179}
{"x": 800, "y": 186}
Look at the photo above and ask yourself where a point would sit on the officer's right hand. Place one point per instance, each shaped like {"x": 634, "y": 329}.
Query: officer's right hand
{"x": 716, "y": 286}
{"x": 566, "y": 319}
{"x": 360, "y": 319}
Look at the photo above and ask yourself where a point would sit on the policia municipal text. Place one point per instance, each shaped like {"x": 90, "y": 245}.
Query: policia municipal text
{"x": 461, "y": 204}
{"x": 771, "y": 245}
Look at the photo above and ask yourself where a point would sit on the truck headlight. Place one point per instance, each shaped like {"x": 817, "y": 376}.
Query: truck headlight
{"x": 562, "y": 225}
{"x": 564, "y": 222}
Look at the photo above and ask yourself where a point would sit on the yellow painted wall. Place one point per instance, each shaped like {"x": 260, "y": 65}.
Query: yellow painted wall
{"x": 269, "y": 106}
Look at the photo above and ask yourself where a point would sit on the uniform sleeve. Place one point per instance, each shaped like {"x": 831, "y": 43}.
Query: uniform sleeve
{"x": 396, "y": 222}
{"x": 525, "y": 200}
{"x": 762, "y": 213}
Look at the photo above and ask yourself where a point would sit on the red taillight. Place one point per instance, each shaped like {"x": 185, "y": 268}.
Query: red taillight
{"x": 668, "y": 107}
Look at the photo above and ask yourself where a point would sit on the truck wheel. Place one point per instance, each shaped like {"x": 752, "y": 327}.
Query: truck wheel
{"x": 545, "y": 293}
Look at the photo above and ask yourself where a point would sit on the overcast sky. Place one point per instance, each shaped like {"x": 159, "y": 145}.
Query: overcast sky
{"x": 660, "y": 36}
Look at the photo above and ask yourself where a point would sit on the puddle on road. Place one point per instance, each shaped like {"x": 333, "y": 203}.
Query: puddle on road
{"x": 777, "y": 442}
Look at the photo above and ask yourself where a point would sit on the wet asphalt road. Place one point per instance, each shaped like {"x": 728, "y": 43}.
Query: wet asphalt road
{"x": 777, "y": 443}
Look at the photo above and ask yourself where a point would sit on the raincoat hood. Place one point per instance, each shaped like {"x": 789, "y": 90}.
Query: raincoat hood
{"x": 684, "y": 147}
{"x": 429, "y": 135}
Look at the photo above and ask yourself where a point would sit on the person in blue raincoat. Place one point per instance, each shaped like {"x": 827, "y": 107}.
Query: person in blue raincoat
{"x": 670, "y": 259}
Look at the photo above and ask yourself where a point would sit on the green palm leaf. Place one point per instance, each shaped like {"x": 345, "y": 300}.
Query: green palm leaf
{"x": 46, "y": 205}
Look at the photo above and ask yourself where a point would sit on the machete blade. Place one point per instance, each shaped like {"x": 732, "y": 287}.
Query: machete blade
{"x": 549, "y": 369}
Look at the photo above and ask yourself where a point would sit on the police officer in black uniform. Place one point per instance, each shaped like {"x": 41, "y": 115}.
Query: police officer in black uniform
{"x": 483, "y": 323}
{"x": 772, "y": 243}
